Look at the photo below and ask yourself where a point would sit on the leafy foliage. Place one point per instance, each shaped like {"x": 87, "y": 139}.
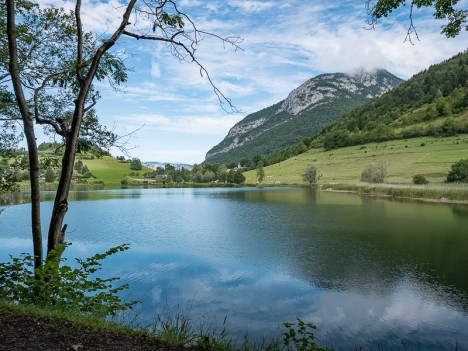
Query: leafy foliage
{"x": 65, "y": 288}
{"x": 420, "y": 179}
{"x": 456, "y": 18}
{"x": 375, "y": 172}
{"x": 135, "y": 164}
{"x": 49, "y": 175}
{"x": 260, "y": 172}
{"x": 458, "y": 172}
{"x": 311, "y": 175}
{"x": 300, "y": 337}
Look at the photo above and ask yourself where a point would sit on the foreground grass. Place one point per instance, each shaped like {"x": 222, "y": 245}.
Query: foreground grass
{"x": 45, "y": 329}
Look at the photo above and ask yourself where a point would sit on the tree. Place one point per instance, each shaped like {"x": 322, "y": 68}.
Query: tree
{"x": 375, "y": 172}
{"x": 222, "y": 173}
{"x": 456, "y": 18}
{"x": 49, "y": 175}
{"x": 53, "y": 64}
{"x": 208, "y": 176}
{"x": 458, "y": 172}
{"x": 311, "y": 175}
{"x": 236, "y": 177}
{"x": 260, "y": 172}
{"x": 197, "y": 177}
{"x": 79, "y": 166}
{"x": 135, "y": 165}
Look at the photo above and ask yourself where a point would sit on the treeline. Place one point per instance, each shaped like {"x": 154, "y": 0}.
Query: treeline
{"x": 203, "y": 173}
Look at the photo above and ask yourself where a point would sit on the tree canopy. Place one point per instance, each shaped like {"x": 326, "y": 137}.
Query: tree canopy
{"x": 456, "y": 18}
{"x": 48, "y": 68}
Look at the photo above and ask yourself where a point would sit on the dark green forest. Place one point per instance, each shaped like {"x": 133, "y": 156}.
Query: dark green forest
{"x": 434, "y": 102}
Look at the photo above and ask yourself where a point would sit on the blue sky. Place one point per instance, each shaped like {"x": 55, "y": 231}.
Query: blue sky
{"x": 174, "y": 110}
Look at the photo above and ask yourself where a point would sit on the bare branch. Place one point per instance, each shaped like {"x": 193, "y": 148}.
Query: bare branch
{"x": 412, "y": 28}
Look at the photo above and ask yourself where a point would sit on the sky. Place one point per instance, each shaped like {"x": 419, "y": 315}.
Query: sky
{"x": 173, "y": 114}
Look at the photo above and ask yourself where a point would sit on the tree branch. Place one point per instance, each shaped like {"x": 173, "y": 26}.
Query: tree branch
{"x": 79, "y": 42}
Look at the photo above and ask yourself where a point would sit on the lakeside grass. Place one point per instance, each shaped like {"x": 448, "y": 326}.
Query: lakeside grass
{"x": 341, "y": 168}
{"x": 174, "y": 332}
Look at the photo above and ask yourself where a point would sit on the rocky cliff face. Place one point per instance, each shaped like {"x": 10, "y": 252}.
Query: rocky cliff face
{"x": 325, "y": 88}
{"x": 308, "y": 109}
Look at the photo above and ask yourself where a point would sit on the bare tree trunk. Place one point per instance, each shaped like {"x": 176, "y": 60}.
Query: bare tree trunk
{"x": 30, "y": 136}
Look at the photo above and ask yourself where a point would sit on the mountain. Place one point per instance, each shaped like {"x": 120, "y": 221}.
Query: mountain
{"x": 308, "y": 109}
{"x": 433, "y": 102}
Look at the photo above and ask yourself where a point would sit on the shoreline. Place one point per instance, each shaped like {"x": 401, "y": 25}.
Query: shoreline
{"x": 389, "y": 192}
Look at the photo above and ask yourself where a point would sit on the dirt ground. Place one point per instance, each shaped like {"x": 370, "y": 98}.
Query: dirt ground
{"x": 22, "y": 331}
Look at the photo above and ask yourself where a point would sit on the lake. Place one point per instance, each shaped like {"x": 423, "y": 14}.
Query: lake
{"x": 366, "y": 271}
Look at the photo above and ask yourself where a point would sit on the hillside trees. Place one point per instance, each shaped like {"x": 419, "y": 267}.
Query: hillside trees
{"x": 437, "y": 94}
{"x": 53, "y": 65}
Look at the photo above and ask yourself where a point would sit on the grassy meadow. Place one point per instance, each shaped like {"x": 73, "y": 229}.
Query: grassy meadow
{"x": 111, "y": 171}
{"x": 429, "y": 156}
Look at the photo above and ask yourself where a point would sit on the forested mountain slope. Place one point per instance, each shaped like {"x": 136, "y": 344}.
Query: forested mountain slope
{"x": 307, "y": 110}
{"x": 433, "y": 102}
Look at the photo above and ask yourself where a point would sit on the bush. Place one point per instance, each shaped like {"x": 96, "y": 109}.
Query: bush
{"x": 419, "y": 179}
{"x": 69, "y": 289}
{"x": 459, "y": 172}
{"x": 49, "y": 176}
{"x": 311, "y": 175}
{"x": 300, "y": 337}
{"x": 375, "y": 172}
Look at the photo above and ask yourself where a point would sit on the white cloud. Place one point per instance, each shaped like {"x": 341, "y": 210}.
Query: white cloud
{"x": 185, "y": 125}
{"x": 253, "y": 6}
{"x": 155, "y": 70}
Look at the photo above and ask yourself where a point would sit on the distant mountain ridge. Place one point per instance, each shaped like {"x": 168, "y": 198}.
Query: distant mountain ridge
{"x": 308, "y": 109}
{"x": 155, "y": 165}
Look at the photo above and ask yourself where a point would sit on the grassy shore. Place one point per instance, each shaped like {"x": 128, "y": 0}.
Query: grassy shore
{"x": 34, "y": 328}
{"x": 341, "y": 168}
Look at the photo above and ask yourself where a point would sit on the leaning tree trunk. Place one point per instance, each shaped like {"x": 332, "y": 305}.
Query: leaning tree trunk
{"x": 57, "y": 230}
{"x": 30, "y": 136}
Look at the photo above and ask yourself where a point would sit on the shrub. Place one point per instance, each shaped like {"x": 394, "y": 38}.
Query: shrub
{"x": 76, "y": 289}
{"x": 300, "y": 337}
{"x": 49, "y": 176}
{"x": 375, "y": 172}
{"x": 458, "y": 172}
{"x": 311, "y": 175}
{"x": 419, "y": 179}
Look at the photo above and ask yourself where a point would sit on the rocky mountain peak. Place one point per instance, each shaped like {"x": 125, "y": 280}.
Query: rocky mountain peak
{"x": 325, "y": 87}
{"x": 308, "y": 109}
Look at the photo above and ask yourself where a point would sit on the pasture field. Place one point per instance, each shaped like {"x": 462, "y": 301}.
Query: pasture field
{"x": 429, "y": 156}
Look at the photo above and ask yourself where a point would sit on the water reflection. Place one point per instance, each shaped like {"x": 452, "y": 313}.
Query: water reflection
{"x": 364, "y": 270}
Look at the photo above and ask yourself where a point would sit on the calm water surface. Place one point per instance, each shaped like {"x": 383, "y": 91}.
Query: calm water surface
{"x": 366, "y": 271}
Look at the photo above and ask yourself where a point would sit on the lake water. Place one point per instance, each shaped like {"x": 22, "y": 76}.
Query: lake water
{"x": 366, "y": 271}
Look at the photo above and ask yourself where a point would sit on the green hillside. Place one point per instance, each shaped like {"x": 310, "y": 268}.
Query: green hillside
{"x": 433, "y": 102}
{"x": 429, "y": 156}
{"x": 308, "y": 109}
